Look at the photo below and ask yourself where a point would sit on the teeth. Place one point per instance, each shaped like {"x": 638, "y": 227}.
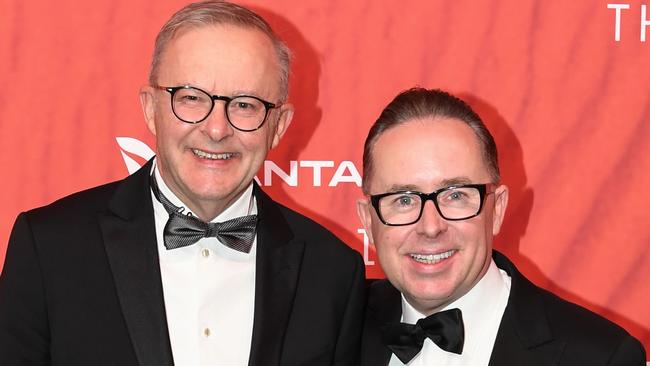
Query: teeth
{"x": 206, "y": 155}
{"x": 432, "y": 258}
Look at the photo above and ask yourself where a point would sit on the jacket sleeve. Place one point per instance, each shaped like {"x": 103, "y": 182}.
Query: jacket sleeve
{"x": 24, "y": 330}
{"x": 349, "y": 340}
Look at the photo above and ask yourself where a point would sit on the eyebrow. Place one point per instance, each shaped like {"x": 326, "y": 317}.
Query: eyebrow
{"x": 456, "y": 181}
{"x": 248, "y": 92}
{"x": 235, "y": 93}
{"x": 443, "y": 184}
{"x": 403, "y": 187}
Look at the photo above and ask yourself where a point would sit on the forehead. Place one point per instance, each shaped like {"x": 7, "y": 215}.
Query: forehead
{"x": 425, "y": 154}
{"x": 222, "y": 56}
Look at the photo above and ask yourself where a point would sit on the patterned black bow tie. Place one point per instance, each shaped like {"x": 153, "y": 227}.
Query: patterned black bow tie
{"x": 444, "y": 328}
{"x": 182, "y": 230}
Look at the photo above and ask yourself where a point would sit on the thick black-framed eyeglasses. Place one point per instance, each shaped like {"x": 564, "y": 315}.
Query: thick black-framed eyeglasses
{"x": 193, "y": 105}
{"x": 454, "y": 203}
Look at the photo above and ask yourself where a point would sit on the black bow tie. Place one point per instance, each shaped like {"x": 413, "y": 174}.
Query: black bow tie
{"x": 182, "y": 230}
{"x": 444, "y": 328}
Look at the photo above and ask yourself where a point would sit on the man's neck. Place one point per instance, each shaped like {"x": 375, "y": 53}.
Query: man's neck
{"x": 206, "y": 210}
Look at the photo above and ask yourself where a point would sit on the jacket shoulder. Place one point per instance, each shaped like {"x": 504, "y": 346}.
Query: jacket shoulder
{"x": 541, "y": 316}
{"x": 584, "y": 328}
{"x": 81, "y": 203}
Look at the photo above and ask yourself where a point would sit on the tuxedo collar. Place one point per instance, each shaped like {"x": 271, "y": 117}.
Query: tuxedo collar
{"x": 384, "y": 306}
{"x": 128, "y": 201}
{"x": 279, "y": 257}
{"x": 385, "y": 301}
{"x": 526, "y": 307}
{"x": 128, "y": 229}
{"x": 524, "y": 335}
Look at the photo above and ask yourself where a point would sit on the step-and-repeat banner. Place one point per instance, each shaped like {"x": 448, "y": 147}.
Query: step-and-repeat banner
{"x": 563, "y": 86}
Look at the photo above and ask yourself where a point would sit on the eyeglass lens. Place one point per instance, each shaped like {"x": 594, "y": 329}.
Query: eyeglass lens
{"x": 193, "y": 105}
{"x": 453, "y": 204}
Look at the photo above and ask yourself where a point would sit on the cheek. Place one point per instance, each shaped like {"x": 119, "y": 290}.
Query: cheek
{"x": 174, "y": 134}
{"x": 476, "y": 242}
{"x": 471, "y": 231}
{"x": 250, "y": 141}
{"x": 166, "y": 144}
{"x": 389, "y": 241}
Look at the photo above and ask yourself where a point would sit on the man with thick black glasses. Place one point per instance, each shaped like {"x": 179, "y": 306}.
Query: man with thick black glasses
{"x": 433, "y": 203}
{"x": 188, "y": 261}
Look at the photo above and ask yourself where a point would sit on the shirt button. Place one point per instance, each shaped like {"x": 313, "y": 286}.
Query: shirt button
{"x": 205, "y": 253}
{"x": 206, "y": 332}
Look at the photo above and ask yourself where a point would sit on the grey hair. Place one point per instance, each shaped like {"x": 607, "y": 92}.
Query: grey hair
{"x": 213, "y": 12}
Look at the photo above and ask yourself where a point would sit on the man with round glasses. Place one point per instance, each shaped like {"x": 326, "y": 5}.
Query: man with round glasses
{"x": 188, "y": 261}
{"x": 193, "y": 105}
{"x": 433, "y": 203}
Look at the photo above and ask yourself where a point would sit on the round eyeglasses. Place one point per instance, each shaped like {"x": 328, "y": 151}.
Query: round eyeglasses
{"x": 454, "y": 203}
{"x": 193, "y": 105}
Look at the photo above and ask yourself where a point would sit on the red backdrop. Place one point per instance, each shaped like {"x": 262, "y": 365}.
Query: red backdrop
{"x": 567, "y": 102}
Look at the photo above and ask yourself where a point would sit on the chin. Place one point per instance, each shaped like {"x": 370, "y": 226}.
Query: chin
{"x": 432, "y": 295}
{"x": 430, "y": 291}
{"x": 212, "y": 194}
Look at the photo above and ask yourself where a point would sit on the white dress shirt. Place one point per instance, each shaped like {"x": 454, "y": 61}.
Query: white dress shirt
{"x": 209, "y": 291}
{"x": 482, "y": 308}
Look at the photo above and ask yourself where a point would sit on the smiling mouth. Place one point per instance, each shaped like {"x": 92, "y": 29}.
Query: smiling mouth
{"x": 206, "y": 155}
{"x": 432, "y": 258}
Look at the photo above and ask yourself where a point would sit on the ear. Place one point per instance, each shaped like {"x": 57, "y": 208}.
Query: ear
{"x": 500, "y": 205}
{"x": 365, "y": 216}
{"x": 286, "y": 115}
{"x": 147, "y": 102}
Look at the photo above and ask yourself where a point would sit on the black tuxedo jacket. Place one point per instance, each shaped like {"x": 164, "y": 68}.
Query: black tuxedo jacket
{"x": 81, "y": 286}
{"x": 537, "y": 329}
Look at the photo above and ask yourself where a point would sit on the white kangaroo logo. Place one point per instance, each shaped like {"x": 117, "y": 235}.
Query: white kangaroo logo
{"x": 135, "y": 147}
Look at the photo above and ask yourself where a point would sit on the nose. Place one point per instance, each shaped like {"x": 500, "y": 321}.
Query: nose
{"x": 431, "y": 224}
{"x": 216, "y": 126}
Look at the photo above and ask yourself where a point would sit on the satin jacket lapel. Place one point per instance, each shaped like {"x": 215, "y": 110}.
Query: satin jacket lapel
{"x": 276, "y": 277}
{"x": 129, "y": 236}
{"x": 524, "y": 336}
{"x": 384, "y": 306}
